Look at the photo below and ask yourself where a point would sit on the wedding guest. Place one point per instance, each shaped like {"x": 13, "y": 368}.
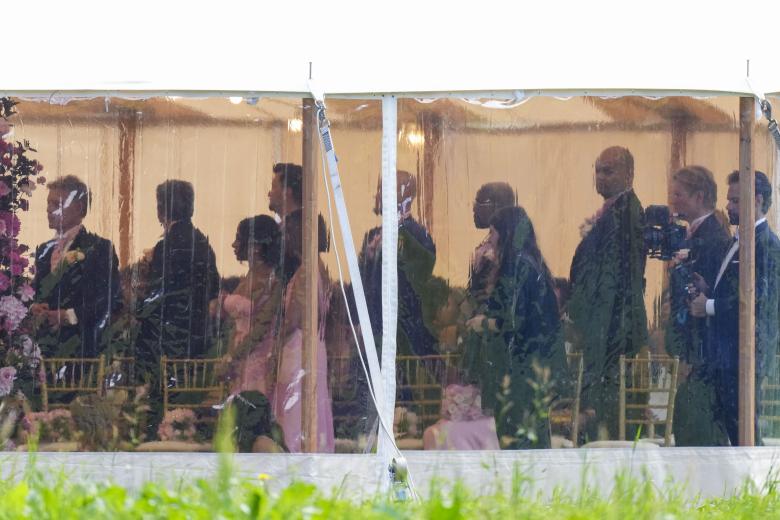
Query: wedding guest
{"x": 76, "y": 277}
{"x": 607, "y": 306}
{"x": 285, "y": 199}
{"x": 490, "y": 198}
{"x": 516, "y": 339}
{"x": 183, "y": 278}
{"x": 463, "y": 425}
{"x": 287, "y": 396}
{"x": 416, "y": 258}
{"x": 286, "y": 195}
{"x": 693, "y": 196}
{"x": 254, "y": 306}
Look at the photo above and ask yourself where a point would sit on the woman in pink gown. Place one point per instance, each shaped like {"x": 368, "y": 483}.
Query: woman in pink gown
{"x": 254, "y": 306}
{"x": 287, "y": 400}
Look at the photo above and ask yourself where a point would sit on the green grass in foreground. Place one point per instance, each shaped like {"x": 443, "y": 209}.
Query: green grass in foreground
{"x": 34, "y": 495}
{"x": 225, "y": 495}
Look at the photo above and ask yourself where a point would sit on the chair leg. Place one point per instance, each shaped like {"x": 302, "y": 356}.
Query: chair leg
{"x": 622, "y": 400}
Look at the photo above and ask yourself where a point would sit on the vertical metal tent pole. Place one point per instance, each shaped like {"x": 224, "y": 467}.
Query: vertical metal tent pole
{"x": 747, "y": 275}
{"x": 310, "y": 266}
{"x": 389, "y": 270}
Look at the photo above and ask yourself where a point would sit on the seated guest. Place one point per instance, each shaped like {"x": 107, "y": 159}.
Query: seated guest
{"x": 516, "y": 338}
{"x": 254, "y": 306}
{"x": 182, "y": 279}
{"x": 287, "y": 396}
{"x": 463, "y": 426}
{"x": 76, "y": 277}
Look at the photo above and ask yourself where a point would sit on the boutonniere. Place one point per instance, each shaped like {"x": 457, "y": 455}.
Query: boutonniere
{"x": 587, "y": 225}
{"x": 71, "y": 257}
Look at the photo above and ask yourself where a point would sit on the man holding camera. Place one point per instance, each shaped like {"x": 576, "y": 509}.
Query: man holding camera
{"x": 720, "y": 304}
{"x": 607, "y": 289}
{"x": 693, "y": 196}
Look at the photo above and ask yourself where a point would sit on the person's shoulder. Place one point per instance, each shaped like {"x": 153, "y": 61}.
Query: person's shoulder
{"x": 711, "y": 231}
{"x": 527, "y": 262}
{"x": 632, "y": 201}
{"x": 45, "y": 247}
{"x": 417, "y": 230}
{"x": 87, "y": 238}
{"x": 771, "y": 239}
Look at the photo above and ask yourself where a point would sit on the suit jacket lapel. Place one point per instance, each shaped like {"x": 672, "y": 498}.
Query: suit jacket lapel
{"x": 43, "y": 259}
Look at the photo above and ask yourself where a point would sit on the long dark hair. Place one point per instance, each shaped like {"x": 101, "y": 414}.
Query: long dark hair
{"x": 516, "y": 236}
{"x": 262, "y": 230}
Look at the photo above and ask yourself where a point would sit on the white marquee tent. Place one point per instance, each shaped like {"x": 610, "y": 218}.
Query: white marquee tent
{"x": 513, "y": 50}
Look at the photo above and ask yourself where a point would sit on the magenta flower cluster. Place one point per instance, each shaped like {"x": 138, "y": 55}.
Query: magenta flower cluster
{"x": 19, "y": 177}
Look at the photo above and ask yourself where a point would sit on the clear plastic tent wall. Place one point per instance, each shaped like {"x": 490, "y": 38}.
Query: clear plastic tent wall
{"x": 560, "y": 274}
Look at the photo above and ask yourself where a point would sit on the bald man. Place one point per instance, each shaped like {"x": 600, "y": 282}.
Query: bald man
{"x": 607, "y": 283}
{"x": 416, "y": 257}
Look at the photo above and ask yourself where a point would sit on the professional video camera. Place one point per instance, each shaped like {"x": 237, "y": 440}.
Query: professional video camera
{"x": 664, "y": 238}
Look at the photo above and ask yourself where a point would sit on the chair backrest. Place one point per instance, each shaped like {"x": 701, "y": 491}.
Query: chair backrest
{"x": 420, "y": 385}
{"x": 120, "y": 373}
{"x": 566, "y": 411}
{"x": 769, "y": 405}
{"x": 648, "y": 384}
{"x": 192, "y": 376}
{"x": 71, "y": 376}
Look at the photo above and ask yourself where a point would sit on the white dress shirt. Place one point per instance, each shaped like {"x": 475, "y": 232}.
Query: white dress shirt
{"x": 710, "y": 305}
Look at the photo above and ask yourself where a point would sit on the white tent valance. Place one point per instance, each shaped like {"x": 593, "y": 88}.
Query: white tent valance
{"x": 407, "y": 47}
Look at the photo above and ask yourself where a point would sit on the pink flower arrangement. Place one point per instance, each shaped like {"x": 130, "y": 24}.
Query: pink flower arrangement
{"x": 11, "y": 224}
{"x": 52, "y": 426}
{"x": 27, "y": 188}
{"x": 20, "y": 357}
{"x": 7, "y": 377}
{"x": 178, "y": 425}
{"x": 26, "y": 293}
{"x": 12, "y": 311}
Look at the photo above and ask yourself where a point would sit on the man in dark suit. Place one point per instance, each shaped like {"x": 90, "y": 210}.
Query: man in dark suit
{"x": 720, "y": 304}
{"x": 416, "y": 258}
{"x": 286, "y": 200}
{"x": 183, "y": 279}
{"x": 693, "y": 196}
{"x": 76, "y": 277}
{"x": 607, "y": 306}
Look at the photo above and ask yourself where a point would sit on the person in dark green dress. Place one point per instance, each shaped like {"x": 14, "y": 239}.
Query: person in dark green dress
{"x": 514, "y": 347}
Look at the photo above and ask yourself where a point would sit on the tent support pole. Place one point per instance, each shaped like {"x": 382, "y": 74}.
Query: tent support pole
{"x": 310, "y": 266}
{"x": 747, "y": 283}
{"x": 128, "y": 129}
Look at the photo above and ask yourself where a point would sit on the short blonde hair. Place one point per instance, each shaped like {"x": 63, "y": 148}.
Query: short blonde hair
{"x": 698, "y": 178}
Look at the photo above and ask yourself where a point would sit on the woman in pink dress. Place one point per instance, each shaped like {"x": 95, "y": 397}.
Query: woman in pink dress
{"x": 288, "y": 395}
{"x": 254, "y": 306}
